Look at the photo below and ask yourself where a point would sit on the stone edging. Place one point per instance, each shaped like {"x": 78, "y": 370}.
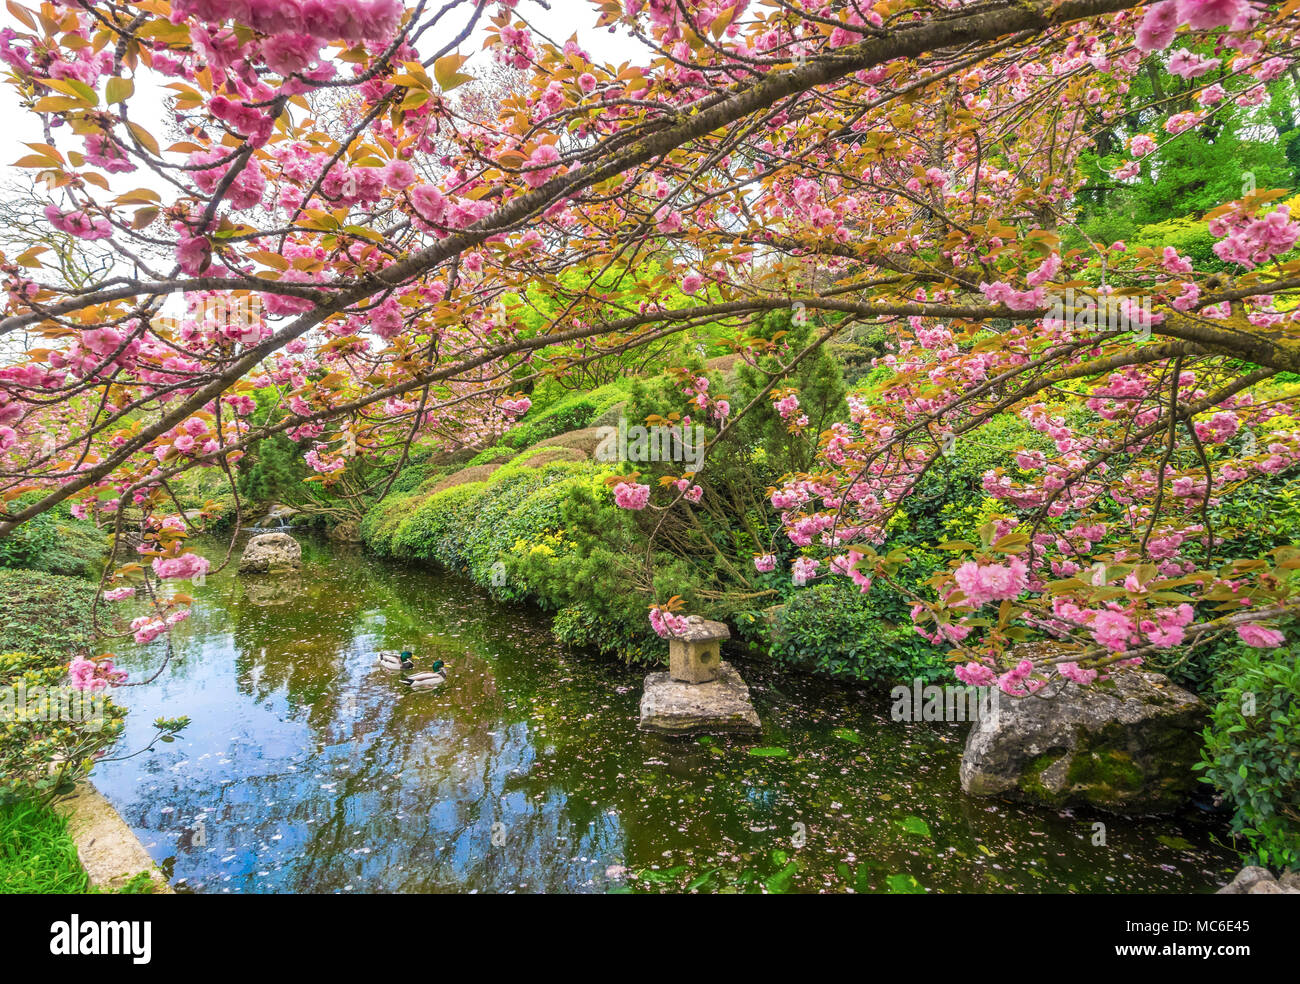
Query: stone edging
{"x": 1254, "y": 880}
{"x": 109, "y": 849}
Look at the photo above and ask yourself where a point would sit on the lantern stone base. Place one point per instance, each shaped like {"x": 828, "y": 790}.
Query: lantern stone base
{"x": 675, "y": 707}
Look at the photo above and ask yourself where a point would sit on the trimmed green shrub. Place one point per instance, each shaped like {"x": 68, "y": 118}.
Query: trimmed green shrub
{"x": 581, "y": 625}
{"x": 436, "y": 530}
{"x": 574, "y": 412}
{"x": 56, "y": 543}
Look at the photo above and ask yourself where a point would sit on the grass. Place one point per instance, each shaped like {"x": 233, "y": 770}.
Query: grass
{"x": 36, "y": 854}
{"x": 38, "y": 857}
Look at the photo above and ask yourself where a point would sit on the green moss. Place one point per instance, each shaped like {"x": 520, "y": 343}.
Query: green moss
{"x": 1107, "y": 772}
{"x": 1031, "y": 782}
{"x": 1099, "y": 775}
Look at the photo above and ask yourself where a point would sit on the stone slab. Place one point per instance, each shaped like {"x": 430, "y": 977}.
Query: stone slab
{"x": 672, "y": 707}
{"x": 109, "y": 850}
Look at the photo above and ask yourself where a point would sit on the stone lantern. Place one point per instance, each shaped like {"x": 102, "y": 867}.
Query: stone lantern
{"x": 695, "y": 656}
{"x": 699, "y": 692}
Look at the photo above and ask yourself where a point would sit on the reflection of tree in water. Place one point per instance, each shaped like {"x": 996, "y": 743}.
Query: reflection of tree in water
{"x": 301, "y": 647}
{"x": 447, "y": 757}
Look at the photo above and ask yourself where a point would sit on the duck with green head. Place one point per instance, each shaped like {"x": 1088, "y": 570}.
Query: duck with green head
{"x": 428, "y": 679}
{"x": 394, "y": 661}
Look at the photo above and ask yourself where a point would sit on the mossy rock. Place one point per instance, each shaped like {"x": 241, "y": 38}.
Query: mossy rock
{"x": 1127, "y": 745}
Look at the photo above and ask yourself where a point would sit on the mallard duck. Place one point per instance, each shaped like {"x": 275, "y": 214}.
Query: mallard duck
{"x": 427, "y": 680}
{"x": 394, "y": 661}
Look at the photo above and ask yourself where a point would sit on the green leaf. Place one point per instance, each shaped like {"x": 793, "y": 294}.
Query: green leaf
{"x": 701, "y": 880}
{"x": 915, "y": 825}
{"x": 118, "y": 90}
{"x": 904, "y": 885}
{"x": 780, "y": 882}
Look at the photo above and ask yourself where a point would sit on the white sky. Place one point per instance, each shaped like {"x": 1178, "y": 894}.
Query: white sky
{"x": 561, "y": 21}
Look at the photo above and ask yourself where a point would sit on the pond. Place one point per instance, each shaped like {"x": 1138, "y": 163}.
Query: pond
{"x": 307, "y": 768}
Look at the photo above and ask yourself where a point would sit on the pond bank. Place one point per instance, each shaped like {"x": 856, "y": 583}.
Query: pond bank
{"x": 109, "y": 850}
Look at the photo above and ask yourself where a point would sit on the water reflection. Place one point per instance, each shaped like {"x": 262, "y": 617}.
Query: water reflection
{"x": 309, "y": 769}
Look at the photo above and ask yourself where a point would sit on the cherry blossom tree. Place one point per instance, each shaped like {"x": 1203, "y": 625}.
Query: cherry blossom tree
{"x": 337, "y": 223}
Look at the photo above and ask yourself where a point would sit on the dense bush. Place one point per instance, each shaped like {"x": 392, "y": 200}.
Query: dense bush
{"x": 573, "y": 412}
{"x": 556, "y": 535}
{"x": 1252, "y": 751}
{"x": 834, "y": 629}
{"x": 583, "y": 626}
{"x": 418, "y": 469}
{"x": 437, "y": 528}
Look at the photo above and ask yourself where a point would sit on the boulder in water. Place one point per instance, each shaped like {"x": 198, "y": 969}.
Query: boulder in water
{"x": 1126, "y": 746}
{"x": 268, "y": 553}
{"x": 347, "y": 531}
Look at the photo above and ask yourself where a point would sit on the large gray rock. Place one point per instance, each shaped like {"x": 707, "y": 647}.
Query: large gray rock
{"x": 271, "y": 552}
{"x": 1266, "y": 888}
{"x": 1126, "y": 746}
{"x": 677, "y": 708}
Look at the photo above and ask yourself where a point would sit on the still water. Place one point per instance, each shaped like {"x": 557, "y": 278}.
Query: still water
{"x": 307, "y": 768}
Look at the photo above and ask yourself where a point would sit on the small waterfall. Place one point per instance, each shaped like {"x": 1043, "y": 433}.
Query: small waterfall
{"x": 277, "y": 520}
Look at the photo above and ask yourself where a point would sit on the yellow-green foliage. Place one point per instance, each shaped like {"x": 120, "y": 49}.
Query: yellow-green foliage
{"x": 963, "y": 520}
{"x": 432, "y": 530}
{"x": 46, "y": 740}
{"x": 555, "y": 533}
{"x": 380, "y": 523}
